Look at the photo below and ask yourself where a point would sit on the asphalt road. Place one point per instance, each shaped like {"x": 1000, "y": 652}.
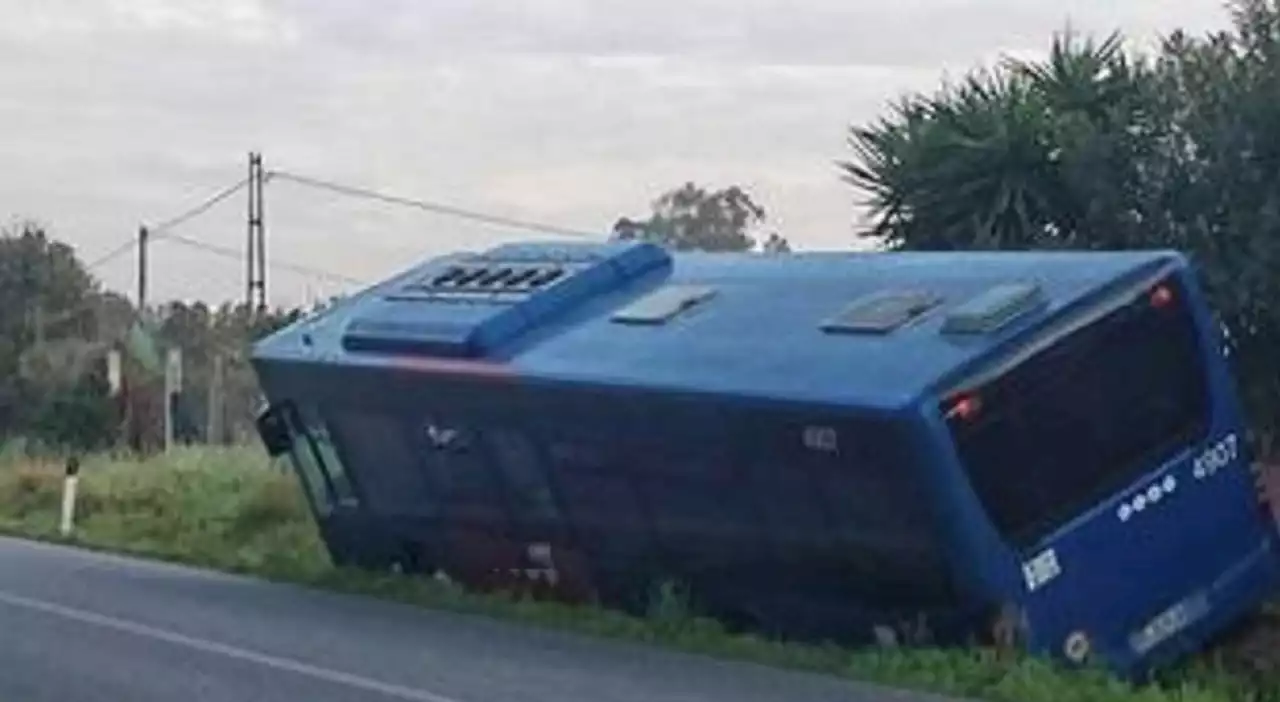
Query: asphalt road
{"x": 77, "y": 626}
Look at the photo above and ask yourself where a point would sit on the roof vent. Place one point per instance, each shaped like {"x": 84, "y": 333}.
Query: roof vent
{"x": 469, "y": 306}
{"x": 663, "y": 304}
{"x": 882, "y": 312}
{"x": 994, "y": 308}
{"x": 470, "y": 279}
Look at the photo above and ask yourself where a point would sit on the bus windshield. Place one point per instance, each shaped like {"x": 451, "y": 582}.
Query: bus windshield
{"x": 1085, "y": 416}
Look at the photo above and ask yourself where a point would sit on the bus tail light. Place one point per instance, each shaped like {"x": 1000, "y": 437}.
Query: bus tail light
{"x": 1161, "y": 296}
{"x": 964, "y": 406}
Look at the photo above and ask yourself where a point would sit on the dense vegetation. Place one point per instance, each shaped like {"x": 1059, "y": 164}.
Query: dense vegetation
{"x": 57, "y": 324}
{"x": 1096, "y": 147}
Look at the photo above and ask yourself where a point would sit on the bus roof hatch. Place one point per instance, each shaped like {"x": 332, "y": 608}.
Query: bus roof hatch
{"x": 882, "y": 312}
{"x": 994, "y": 308}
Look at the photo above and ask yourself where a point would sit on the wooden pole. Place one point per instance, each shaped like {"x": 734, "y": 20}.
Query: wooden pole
{"x": 143, "y": 236}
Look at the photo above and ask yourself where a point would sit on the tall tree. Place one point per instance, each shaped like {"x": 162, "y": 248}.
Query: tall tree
{"x": 57, "y": 326}
{"x": 1032, "y": 154}
{"x": 45, "y": 294}
{"x": 693, "y": 218}
{"x": 1095, "y": 148}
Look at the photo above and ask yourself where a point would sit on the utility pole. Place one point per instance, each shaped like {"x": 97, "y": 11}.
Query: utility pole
{"x": 262, "y": 238}
{"x": 132, "y": 427}
{"x": 143, "y": 236}
{"x": 249, "y": 248}
{"x": 256, "y": 241}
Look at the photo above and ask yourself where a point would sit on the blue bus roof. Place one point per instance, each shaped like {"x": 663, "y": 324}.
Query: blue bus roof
{"x": 771, "y": 326}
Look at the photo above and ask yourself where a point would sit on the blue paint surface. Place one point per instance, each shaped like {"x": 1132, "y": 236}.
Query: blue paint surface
{"x": 760, "y": 336}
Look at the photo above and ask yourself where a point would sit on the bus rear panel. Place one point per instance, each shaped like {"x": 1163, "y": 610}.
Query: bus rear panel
{"x": 1112, "y": 464}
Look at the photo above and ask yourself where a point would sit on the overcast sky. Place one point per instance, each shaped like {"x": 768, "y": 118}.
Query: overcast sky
{"x": 575, "y": 112}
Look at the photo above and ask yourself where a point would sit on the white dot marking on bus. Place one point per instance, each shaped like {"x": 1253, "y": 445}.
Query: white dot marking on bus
{"x": 1149, "y": 497}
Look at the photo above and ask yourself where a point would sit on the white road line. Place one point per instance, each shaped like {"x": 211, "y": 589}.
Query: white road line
{"x": 213, "y": 647}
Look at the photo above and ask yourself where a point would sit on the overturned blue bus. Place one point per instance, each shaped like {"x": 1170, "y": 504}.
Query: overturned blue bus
{"x": 1028, "y": 447}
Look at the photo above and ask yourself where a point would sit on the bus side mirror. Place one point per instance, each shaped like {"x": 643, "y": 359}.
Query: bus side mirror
{"x": 273, "y": 430}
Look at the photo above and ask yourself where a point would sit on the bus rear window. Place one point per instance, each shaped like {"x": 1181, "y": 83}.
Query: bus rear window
{"x": 1084, "y": 417}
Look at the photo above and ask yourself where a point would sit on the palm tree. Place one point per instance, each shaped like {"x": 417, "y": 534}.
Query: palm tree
{"x": 1028, "y": 155}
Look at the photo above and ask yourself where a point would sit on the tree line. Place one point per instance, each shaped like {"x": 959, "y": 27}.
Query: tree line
{"x": 1098, "y": 147}
{"x": 58, "y": 327}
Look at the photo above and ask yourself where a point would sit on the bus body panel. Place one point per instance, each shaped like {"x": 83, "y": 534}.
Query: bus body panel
{"x": 745, "y": 500}
{"x": 1159, "y": 562}
{"x": 760, "y": 372}
{"x": 1201, "y": 544}
{"x": 1188, "y": 546}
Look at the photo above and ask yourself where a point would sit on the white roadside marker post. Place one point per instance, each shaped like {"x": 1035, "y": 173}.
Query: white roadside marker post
{"x": 71, "y": 477}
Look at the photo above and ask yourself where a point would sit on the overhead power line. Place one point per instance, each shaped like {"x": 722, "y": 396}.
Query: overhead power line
{"x": 433, "y": 207}
{"x": 205, "y": 206}
{"x": 229, "y": 252}
{"x": 164, "y": 231}
{"x": 163, "y": 228}
{"x": 113, "y": 254}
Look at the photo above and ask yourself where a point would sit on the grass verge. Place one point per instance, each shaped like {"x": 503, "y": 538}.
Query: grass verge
{"x": 228, "y": 509}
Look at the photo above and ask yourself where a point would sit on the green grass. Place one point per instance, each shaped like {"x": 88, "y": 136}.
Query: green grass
{"x": 229, "y": 510}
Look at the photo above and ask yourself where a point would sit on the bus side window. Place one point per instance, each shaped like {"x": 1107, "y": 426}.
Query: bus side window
{"x": 309, "y": 465}
{"x": 459, "y": 471}
{"x": 327, "y": 457}
{"x": 600, "y": 498}
{"x": 698, "y": 491}
{"x": 382, "y": 462}
{"x": 525, "y": 477}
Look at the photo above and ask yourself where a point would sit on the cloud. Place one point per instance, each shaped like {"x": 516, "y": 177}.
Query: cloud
{"x": 116, "y": 112}
{"x": 917, "y": 33}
